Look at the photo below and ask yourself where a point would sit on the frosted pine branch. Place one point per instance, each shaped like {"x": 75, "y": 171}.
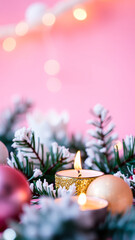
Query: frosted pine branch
{"x": 34, "y": 159}
{"x": 99, "y": 148}
{"x": 39, "y": 188}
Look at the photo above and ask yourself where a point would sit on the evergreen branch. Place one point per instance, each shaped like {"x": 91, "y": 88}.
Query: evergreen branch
{"x": 101, "y": 150}
{"x": 33, "y": 161}
{"x": 43, "y": 189}
{"x": 36, "y": 153}
{"x": 8, "y": 123}
{"x": 118, "y": 226}
{"x": 122, "y": 163}
{"x": 115, "y": 227}
{"x": 103, "y": 139}
{"x": 61, "y": 160}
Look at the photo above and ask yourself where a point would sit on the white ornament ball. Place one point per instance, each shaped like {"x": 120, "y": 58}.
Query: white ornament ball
{"x": 3, "y": 153}
{"x": 34, "y": 13}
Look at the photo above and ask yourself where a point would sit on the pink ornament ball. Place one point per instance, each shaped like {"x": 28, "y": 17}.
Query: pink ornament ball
{"x": 14, "y": 193}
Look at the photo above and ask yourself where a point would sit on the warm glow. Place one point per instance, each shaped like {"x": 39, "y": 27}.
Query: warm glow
{"x": 48, "y": 19}
{"x": 77, "y": 161}
{"x": 80, "y": 14}
{"x": 52, "y": 67}
{"x": 82, "y": 199}
{"x": 118, "y": 145}
{"x": 22, "y": 195}
{"x": 53, "y": 84}
{"x": 21, "y": 28}
{"x": 9, "y": 44}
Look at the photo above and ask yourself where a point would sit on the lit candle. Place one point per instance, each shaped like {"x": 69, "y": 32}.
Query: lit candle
{"x": 92, "y": 209}
{"x": 81, "y": 177}
{"x": 90, "y": 203}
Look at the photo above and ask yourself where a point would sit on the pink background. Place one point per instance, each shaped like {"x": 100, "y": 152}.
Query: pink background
{"x": 97, "y": 59}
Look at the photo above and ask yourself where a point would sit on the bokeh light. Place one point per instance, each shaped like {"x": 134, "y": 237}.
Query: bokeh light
{"x": 52, "y": 67}
{"x": 53, "y": 84}
{"x": 82, "y": 199}
{"x": 9, "y": 234}
{"x": 80, "y": 14}
{"x": 118, "y": 145}
{"x": 48, "y": 19}
{"x": 21, "y": 28}
{"x": 9, "y": 44}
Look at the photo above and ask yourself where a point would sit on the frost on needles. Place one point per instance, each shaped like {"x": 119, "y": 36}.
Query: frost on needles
{"x": 102, "y": 150}
{"x": 38, "y": 163}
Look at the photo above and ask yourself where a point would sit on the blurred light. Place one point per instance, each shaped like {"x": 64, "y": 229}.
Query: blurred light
{"x": 9, "y": 234}
{"x": 21, "y": 28}
{"x": 82, "y": 199}
{"x": 52, "y": 67}
{"x": 80, "y": 14}
{"x": 53, "y": 84}
{"x": 48, "y": 19}
{"x": 118, "y": 145}
{"x": 21, "y": 195}
{"x": 9, "y": 44}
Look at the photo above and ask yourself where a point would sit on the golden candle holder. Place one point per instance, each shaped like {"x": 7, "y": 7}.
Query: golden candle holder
{"x": 66, "y": 178}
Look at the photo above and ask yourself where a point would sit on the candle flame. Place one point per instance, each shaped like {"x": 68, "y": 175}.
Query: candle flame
{"x": 77, "y": 162}
{"x": 82, "y": 199}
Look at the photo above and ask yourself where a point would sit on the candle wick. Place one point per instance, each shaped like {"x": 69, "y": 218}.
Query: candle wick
{"x": 79, "y": 173}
